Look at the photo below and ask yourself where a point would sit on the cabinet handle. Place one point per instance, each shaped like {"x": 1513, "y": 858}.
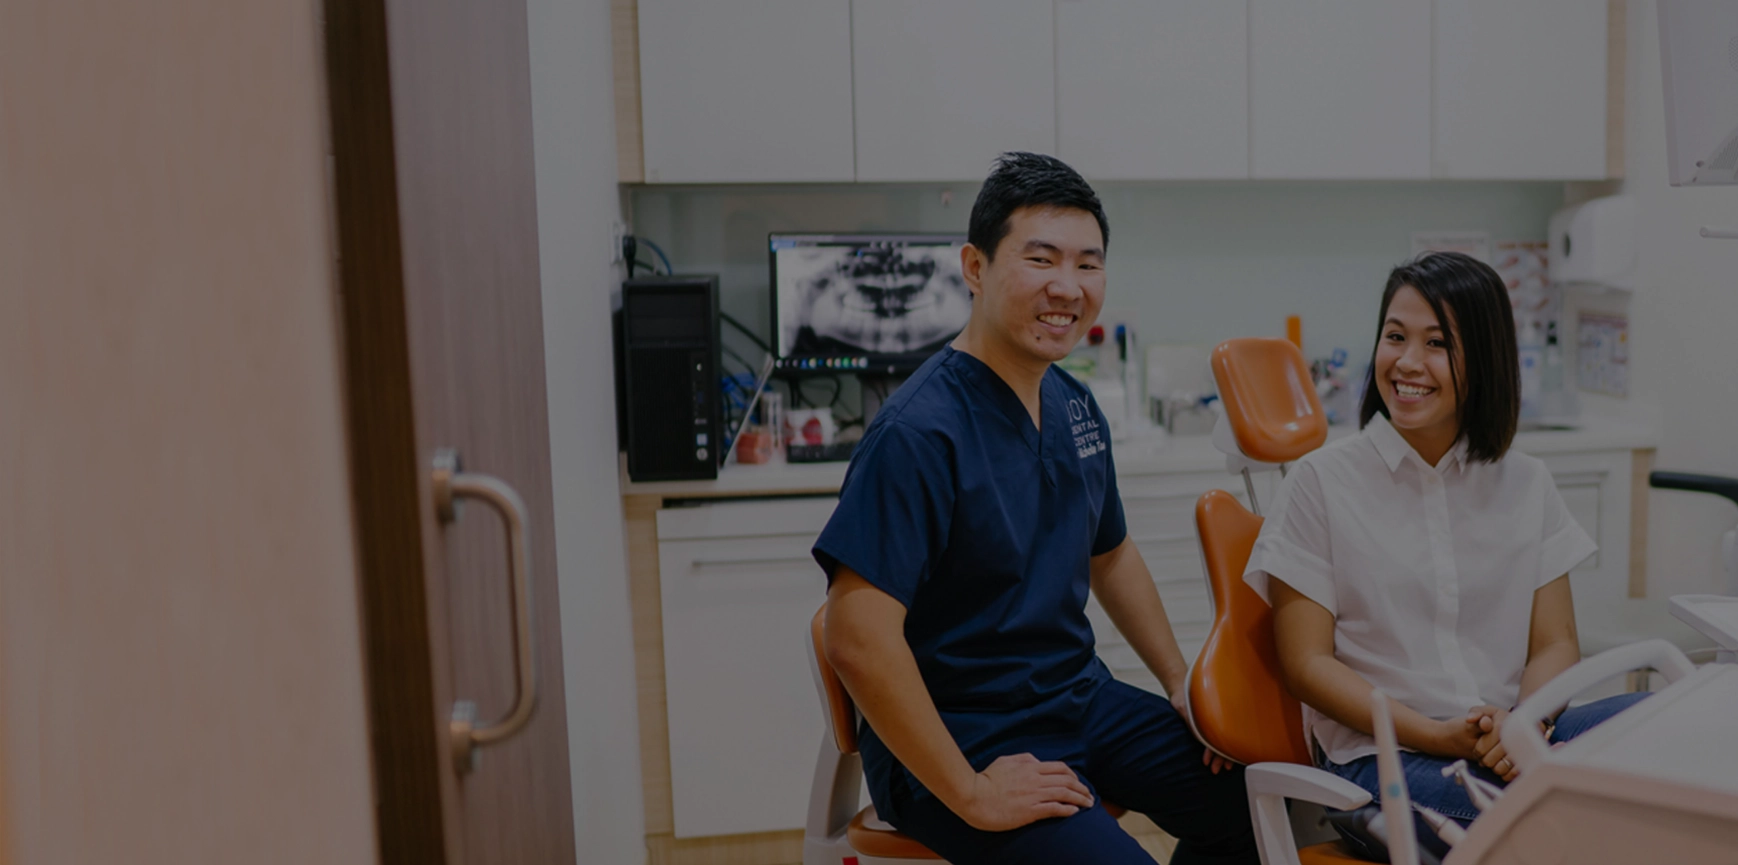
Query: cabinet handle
{"x": 450, "y": 485}
{"x": 1163, "y": 539}
{"x": 1159, "y": 497}
{"x": 768, "y": 560}
{"x": 1170, "y": 497}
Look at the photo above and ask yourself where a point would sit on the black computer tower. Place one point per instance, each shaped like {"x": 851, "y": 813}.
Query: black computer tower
{"x": 667, "y": 388}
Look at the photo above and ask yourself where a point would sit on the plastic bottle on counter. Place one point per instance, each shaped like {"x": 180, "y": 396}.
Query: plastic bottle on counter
{"x": 1530, "y": 349}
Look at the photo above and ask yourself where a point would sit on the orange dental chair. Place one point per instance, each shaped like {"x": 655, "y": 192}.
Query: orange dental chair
{"x": 1236, "y": 703}
{"x": 837, "y": 833}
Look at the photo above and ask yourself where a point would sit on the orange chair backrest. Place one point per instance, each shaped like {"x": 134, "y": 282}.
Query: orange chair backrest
{"x": 1236, "y": 700}
{"x": 1269, "y": 399}
{"x": 841, "y": 713}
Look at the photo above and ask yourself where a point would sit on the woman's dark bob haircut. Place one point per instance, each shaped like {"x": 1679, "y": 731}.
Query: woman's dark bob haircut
{"x": 1472, "y": 307}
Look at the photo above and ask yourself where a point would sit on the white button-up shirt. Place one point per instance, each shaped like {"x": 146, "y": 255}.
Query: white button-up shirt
{"x": 1429, "y": 572}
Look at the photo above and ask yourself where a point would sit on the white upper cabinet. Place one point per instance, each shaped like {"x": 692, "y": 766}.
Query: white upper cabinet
{"x": 746, "y": 90}
{"x": 1153, "y": 91}
{"x": 1340, "y": 88}
{"x": 1520, "y": 89}
{"x": 942, "y": 86}
{"x": 755, "y": 91}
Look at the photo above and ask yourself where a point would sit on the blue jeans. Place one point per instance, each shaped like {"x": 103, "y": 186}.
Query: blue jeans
{"x": 1424, "y": 781}
{"x": 1132, "y": 749}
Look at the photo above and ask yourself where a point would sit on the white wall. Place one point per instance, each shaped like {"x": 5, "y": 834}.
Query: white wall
{"x": 574, "y": 118}
{"x": 181, "y": 672}
{"x": 1682, "y": 323}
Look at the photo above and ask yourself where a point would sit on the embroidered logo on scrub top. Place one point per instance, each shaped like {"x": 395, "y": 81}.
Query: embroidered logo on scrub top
{"x": 1087, "y": 437}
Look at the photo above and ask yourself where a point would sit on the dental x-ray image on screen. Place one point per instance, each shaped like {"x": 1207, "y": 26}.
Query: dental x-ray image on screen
{"x": 895, "y": 299}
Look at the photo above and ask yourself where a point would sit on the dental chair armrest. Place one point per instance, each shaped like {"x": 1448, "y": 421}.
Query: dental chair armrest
{"x": 1270, "y": 784}
{"x": 1291, "y": 781}
{"x": 1521, "y": 736}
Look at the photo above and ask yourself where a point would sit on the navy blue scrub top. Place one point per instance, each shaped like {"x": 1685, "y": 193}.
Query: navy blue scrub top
{"x": 983, "y": 527}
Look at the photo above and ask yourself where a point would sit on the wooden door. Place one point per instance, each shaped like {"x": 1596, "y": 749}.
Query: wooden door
{"x": 436, "y": 219}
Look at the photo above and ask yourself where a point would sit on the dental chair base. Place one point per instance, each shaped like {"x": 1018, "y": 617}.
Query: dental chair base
{"x": 1714, "y": 617}
{"x": 1565, "y": 813}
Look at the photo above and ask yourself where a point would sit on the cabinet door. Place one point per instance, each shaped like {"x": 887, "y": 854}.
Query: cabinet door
{"x": 1595, "y": 487}
{"x": 1520, "y": 89}
{"x": 942, "y": 86}
{"x": 746, "y": 91}
{"x": 738, "y": 590}
{"x": 1339, "y": 89}
{"x": 1153, "y": 91}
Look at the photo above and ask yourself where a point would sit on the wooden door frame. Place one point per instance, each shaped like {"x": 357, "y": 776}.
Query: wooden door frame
{"x": 386, "y": 481}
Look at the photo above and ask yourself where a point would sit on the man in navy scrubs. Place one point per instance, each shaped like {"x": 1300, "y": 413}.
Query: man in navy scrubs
{"x": 978, "y": 510}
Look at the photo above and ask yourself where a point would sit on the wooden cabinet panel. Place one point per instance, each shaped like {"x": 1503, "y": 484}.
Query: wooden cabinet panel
{"x": 1153, "y": 91}
{"x": 744, "y": 91}
{"x": 1339, "y": 89}
{"x": 1520, "y": 89}
{"x": 942, "y": 86}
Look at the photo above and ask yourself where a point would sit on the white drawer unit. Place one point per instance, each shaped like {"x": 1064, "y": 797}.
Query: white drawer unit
{"x": 738, "y": 588}
{"x": 1595, "y": 487}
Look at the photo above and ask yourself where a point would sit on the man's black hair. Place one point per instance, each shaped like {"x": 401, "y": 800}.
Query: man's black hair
{"x": 1472, "y": 306}
{"x": 1028, "y": 180}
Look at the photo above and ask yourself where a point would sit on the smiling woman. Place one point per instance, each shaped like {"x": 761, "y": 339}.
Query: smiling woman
{"x": 1425, "y": 539}
{"x": 1445, "y": 365}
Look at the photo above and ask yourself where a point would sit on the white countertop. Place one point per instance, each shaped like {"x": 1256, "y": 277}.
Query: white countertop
{"x": 1154, "y": 454}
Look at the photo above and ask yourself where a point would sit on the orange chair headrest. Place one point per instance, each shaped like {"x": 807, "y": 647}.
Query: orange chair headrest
{"x": 1270, "y": 401}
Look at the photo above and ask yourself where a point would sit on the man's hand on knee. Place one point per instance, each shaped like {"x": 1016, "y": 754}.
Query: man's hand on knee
{"x": 1019, "y": 789}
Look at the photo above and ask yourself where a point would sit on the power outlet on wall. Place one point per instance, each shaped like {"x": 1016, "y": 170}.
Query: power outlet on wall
{"x": 617, "y": 232}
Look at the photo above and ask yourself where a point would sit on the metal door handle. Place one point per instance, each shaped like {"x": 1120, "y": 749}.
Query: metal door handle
{"x": 450, "y": 485}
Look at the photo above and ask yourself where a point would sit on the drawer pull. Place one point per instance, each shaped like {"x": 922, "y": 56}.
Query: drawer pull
{"x": 755, "y": 560}
{"x": 1159, "y": 497}
{"x": 1170, "y": 497}
{"x": 1164, "y": 539}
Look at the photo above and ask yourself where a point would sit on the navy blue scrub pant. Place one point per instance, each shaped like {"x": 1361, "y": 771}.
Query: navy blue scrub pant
{"x": 1133, "y": 749}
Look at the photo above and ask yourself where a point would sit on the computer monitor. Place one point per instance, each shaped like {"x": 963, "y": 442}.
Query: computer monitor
{"x": 872, "y": 303}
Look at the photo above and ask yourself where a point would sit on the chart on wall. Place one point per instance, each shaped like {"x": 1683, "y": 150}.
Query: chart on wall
{"x": 1602, "y": 354}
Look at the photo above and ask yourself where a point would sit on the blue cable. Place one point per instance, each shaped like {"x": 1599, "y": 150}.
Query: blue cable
{"x": 661, "y": 256}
